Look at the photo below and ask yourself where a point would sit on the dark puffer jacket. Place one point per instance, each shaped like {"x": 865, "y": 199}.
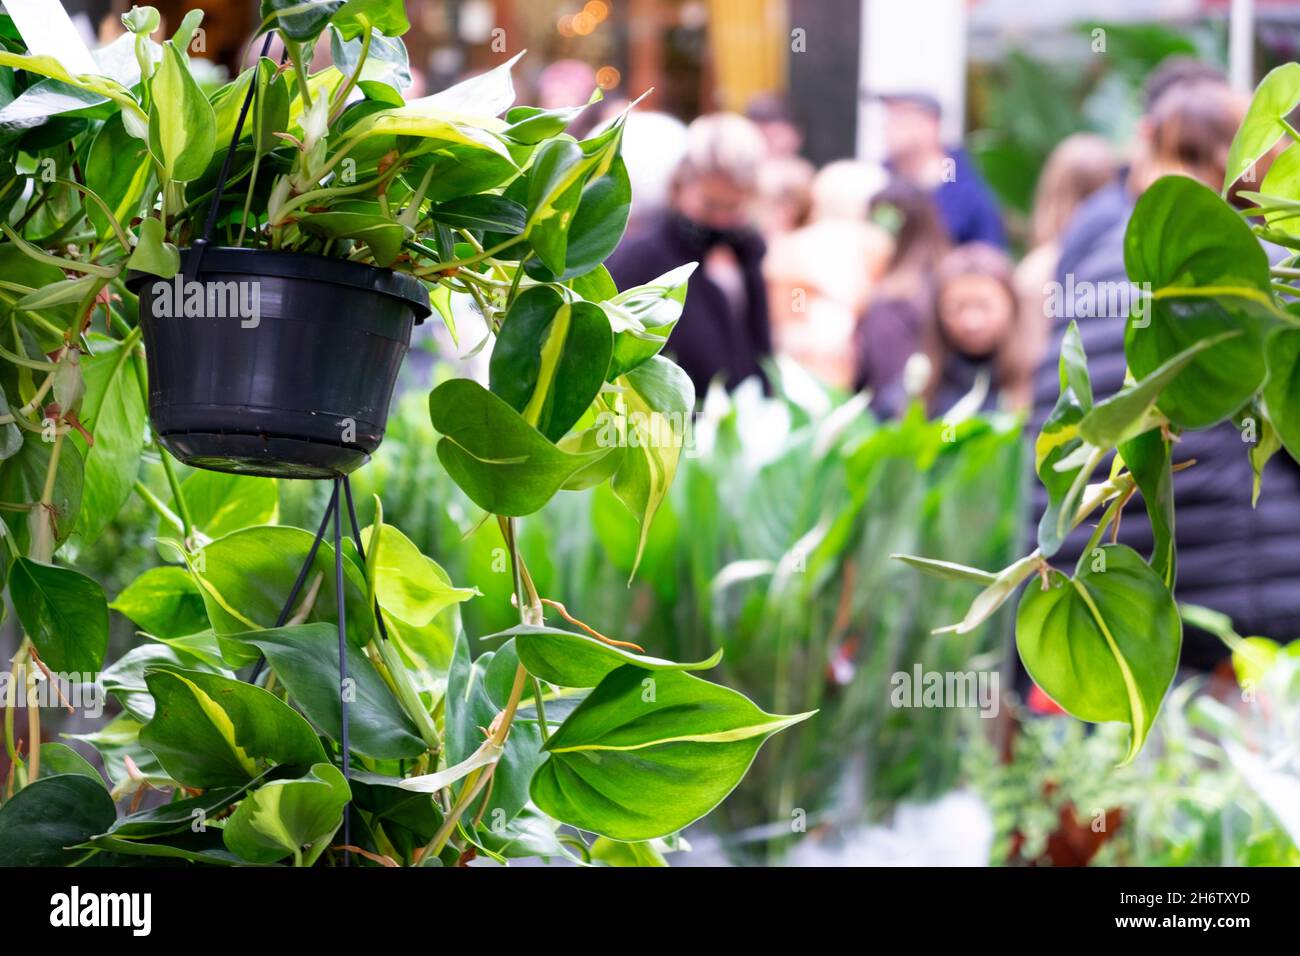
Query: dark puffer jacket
{"x": 1240, "y": 560}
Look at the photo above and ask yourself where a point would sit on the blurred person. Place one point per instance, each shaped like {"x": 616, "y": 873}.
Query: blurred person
{"x": 724, "y": 329}
{"x": 914, "y": 149}
{"x": 653, "y": 146}
{"x": 772, "y": 114}
{"x": 974, "y": 338}
{"x": 892, "y": 327}
{"x": 1079, "y": 166}
{"x": 820, "y": 276}
{"x": 1238, "y": 560}
{"x": 784, "y": 195}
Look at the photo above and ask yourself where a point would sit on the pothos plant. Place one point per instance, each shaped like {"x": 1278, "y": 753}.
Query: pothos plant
{"x": 1214, "y": 338}
{"x": 452, "y": 754}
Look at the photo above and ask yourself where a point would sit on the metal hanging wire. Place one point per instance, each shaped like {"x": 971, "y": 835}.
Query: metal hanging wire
{"x": 334, "y": 510}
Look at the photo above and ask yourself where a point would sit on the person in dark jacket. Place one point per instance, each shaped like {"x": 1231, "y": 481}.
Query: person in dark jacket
{"x": 1242, "y": 561}
{"x": 724, "y": 329}
{"x": 914, "y": 149}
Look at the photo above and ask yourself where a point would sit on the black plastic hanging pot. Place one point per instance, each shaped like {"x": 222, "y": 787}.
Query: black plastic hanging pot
{"x": 275, "y": 363}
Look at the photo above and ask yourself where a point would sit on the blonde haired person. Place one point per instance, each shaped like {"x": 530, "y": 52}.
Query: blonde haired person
{"x": 1079, "y": 166}
{"x": 820, "y": 277}
{"x": 724, "y": 331}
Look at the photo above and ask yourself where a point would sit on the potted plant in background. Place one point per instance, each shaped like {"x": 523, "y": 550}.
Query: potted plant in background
{"x": 331, "y": 178}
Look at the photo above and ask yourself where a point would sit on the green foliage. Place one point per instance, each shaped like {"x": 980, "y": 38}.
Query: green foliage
{"x": 1103, "y": 644}
{"x": 1208, "y": 340}
{"x": 445, "y": 746}
{"x": 771, "y": 545}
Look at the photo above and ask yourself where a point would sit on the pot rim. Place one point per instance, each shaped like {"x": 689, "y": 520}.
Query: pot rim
{"x": 304, "y": 265}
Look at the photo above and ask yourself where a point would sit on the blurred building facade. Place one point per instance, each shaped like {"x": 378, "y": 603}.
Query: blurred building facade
{"x": 820, "y": 56}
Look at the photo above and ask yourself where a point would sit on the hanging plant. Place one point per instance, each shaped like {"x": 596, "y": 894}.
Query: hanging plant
{"x": 356, "y": 213}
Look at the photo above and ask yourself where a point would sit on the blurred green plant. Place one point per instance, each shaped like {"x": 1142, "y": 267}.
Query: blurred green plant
{"x": 1024, "y": 104}
{"x": 1216, "y": 786}
{"x": 774, "y": 546}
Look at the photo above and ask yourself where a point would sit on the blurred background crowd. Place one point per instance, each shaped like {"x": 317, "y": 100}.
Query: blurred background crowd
{"x": 910, "y": 201}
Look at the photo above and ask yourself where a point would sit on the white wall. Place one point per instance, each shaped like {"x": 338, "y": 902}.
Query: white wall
{"x": 909, "y": 46}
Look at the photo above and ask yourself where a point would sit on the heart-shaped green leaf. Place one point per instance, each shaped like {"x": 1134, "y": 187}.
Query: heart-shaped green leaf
{"x": 289, "y": 817}
{"x": 153, "y": 253}
{"x": 246, "y": 577}
{"x": 42, "y": 819}
{"x": 1105, "y": 643}
{"x": 652, "y": 416}
{"x": 567, "y": 659}
{"x": 214, "y": 731}
{"x": 182, "y": 127}
{"x": 356, "y": 16}
{"x": 650, "y": 752}
{"x": 64, "y": 612}
{"x": 1282, "y": 390}
{"x": 113, "y": 410}
{"x": 1208, "y": 275}
{"x": 306, "y": 659}
{"x": 408, "y": 585}
{"x": 164, "y": 601}
{"x": 550, "y": 359}
{"x": 381, "y": 234}
{"x": 1275, "y": 98}
{"x": 221, "y": 503}
{"x": 505, "y": 465}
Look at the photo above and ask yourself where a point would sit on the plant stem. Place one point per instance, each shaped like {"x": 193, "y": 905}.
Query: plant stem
{"x": 39, "y": 365}
{"x": 541, "y": 710}
{"x": 478, "y": 778}
{"x": 41, "y": 547}
{"x": 15, "y": 668}
{"x": 160, "y": 509}
{"x": 300, "y": 71}
{"x": 469, "y": 260}
{"x": 248, "y": 197}
{"x": 31, "y": 406}
{"x": 187, "y": 525}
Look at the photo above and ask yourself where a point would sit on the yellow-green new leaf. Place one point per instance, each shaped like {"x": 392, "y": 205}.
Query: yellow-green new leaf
{"x": 653, "y": 416}
{"x": 182, "y": 126}
{"x": 214, "y": 731}
{"x": 289, "y": 817}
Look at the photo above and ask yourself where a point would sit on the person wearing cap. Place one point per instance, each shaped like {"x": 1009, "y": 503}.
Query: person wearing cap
{"x": 914, "y": 150}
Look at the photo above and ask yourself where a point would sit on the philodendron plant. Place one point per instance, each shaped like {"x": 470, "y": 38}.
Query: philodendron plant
{"x": 452, "y": 754}
{"x": 1215, "y": 337}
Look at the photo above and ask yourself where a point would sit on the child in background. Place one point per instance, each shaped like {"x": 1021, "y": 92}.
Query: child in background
{"x": 975, "y": 339}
